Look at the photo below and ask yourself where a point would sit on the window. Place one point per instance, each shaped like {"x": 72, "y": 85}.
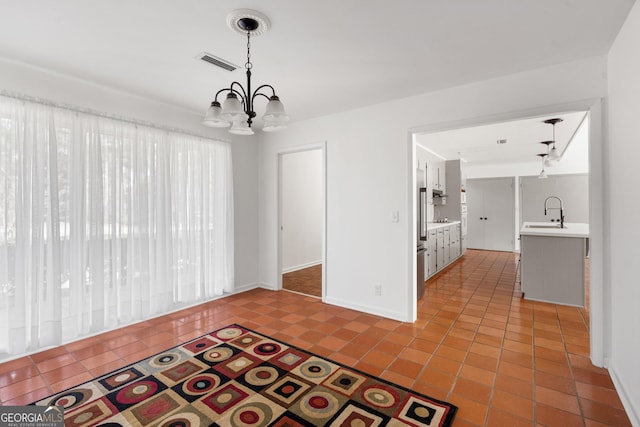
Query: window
{"x": 104, "y": 222}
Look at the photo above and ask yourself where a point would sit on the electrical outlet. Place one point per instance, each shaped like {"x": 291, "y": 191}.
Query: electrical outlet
{"x": 378, "y": 290}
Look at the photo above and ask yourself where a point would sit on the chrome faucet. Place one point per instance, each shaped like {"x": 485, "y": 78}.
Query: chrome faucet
{"x": 560, "y": 208}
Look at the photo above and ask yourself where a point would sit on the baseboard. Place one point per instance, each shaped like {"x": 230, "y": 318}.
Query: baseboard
{"x": 244, "y": 288}
{"x": 389, "y": 314}
{"x": 630, "y": 406}
{"x": 301, "y": 266}
{"x": 237, "y": 290}
{"x": 267, "y": 286}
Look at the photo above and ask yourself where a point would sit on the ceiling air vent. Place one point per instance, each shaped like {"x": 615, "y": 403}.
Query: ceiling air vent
{"x": 218, "y": 62}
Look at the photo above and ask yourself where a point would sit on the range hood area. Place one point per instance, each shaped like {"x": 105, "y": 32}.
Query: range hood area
{"x": 439, "y": 194}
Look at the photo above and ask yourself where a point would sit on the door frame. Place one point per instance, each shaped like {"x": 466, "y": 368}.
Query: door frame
{"x": 322, "y": 146}
{"x": 600, "y": 292}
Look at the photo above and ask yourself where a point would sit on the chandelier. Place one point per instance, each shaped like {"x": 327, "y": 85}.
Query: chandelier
{"x": 237, "y": 109}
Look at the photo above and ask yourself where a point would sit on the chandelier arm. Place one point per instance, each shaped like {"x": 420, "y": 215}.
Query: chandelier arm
{"x": 265, "y": 85}
{"x": 226, "y": 89}
{"x": 230, "y": 89}
{"x": 255, "y": 94}
{"x": 241, "y": 92}
{"x": 258, "y": 93}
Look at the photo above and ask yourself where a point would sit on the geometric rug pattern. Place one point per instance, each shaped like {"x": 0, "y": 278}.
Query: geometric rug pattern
{"x": 237, "y": 377}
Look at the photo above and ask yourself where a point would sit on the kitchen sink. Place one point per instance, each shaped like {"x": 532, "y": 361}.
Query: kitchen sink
{"x": 544, "y": 226}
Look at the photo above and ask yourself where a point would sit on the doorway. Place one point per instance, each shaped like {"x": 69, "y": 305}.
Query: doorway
{"x": 302, "y": 216}
{"x": 600, "y": 318}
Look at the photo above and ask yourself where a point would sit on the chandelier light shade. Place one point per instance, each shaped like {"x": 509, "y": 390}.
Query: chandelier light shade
{"x": 237, "y": 109}
{"x": 232, "y": 108}
{"x": 241, "y": 127}
{"x": 212, "y": 117}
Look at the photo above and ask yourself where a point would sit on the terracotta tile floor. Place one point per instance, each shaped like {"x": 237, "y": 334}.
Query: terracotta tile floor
{"x": 477, "y": 344}
{"x": 306, "y": 281}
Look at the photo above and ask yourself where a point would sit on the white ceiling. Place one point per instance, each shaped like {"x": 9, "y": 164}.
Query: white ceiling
{"x": 478, "y": 145}
{"x": 321, "y": 56}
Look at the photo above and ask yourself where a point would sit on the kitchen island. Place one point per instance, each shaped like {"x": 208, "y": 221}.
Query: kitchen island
{"x": 552, "y": 262}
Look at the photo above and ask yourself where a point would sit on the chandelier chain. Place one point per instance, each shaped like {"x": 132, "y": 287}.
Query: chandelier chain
{"x": 248, "y": 65}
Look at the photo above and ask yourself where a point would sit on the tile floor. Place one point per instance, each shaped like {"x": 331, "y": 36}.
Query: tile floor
{"x": 477, "y": 344}
{"x": 306, "y": 281}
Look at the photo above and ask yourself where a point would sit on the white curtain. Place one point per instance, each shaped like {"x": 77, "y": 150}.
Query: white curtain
{"x": 104, "y": 222}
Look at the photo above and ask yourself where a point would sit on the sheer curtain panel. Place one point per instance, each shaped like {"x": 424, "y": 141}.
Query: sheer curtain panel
{"x": 104, "y": 223}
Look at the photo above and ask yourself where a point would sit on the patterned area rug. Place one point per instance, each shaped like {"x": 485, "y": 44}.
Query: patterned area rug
{"x": 238, "y": 377}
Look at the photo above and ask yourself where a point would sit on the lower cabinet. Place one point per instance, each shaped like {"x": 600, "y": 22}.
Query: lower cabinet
{"x": 444, "y": 245}
{"x": 432, "y": 249}
{"x": 439, "y": 248}
{"x": 456, "y": 242}
{"x": 447, "y": 245}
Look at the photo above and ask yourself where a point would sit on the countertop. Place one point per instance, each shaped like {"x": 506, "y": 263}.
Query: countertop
{"x": 571, "y": 229}
{"x": 434, "y": 225}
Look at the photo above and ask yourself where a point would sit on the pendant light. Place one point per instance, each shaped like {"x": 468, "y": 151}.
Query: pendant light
{"x": 547, "y": 159}
{"x": 543, "y": 173}
{"x": 554, "y": 154}
{"x": 237, "y": 109}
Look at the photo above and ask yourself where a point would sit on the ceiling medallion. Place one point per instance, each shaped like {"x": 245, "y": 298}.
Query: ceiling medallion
{"x": 246, "y": 20}
{"x": 237, "y": 109}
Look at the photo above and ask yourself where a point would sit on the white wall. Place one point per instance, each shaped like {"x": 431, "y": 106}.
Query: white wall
{"x": 370, "y": 174}
{"x": 623, "y": 209}
{"x": 573, "y": 190}
{"x": 302, "y": 209}
{"x": 25, "y": 80}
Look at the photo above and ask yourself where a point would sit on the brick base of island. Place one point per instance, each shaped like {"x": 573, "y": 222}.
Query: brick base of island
{"x": 552, "y": 262}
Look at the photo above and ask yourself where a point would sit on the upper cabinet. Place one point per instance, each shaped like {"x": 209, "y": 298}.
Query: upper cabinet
{"x": 439, "y": 176}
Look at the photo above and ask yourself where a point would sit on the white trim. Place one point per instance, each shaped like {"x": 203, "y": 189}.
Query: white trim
{"x": 237, "y": 290}
{"x": 279, "y": 154}
{"x": 394, "y": 315}
{"x": 267, "y": 286}
{"x": 631, "y": 407}
{"x": 301, "y": 266}
{"x": 600, "y": 302}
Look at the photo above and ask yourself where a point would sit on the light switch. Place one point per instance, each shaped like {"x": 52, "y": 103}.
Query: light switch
{"x": 395, "y": 216}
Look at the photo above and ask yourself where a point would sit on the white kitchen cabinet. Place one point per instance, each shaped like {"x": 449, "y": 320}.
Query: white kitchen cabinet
{"x": 439, "y": 248}
{"x": 443, "y": 246}
{"x": 432, "y": 249}
{"x": 438, "y": 176}
{"x": 455, "y": 246}
{"x": 429, "y": 179}
{"x": 446, "y": 246}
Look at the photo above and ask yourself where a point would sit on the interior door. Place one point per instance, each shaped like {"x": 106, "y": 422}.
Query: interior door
{"x": 499, "y": 214}
{"x": 491, "y": 206}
